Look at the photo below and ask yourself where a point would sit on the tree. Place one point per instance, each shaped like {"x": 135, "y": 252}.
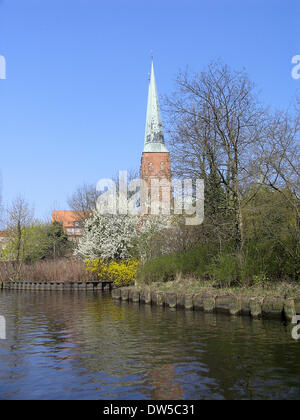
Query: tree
{"x": 215, "y": 125}
{"x": 277, "y": 163}
{"x": 109, "y": 237}
{"x": 34, "y": 237}
{"x": 56, "y": 243}
{"x": 39, "y": 241}
{"x": 84, "y": 198}
{"x": 121, "y": 237}
{"x": 20, "y": 216}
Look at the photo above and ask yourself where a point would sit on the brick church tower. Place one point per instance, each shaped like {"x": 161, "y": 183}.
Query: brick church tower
{"x": 155, "y": 162}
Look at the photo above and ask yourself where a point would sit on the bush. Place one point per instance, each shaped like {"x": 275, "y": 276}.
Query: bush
{"x": 225, "y": 270}
{"x": 194, "y": 262}
{"x": 120, "y": 273}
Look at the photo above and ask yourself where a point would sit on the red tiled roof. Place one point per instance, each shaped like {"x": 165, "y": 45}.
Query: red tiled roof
{"x": 66, "y": 217}
{"x": 3, "y": 234}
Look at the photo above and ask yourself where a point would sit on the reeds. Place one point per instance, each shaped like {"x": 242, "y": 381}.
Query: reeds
{"x": 59, "y": 270}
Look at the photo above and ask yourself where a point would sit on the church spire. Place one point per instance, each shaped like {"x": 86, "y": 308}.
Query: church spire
{"x": 154, "y": 136}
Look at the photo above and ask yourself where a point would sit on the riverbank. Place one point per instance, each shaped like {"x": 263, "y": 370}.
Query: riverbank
{"x": 255, "y": 302}
{"x": 281, "y": 301}
{"x": 195, "y": 285}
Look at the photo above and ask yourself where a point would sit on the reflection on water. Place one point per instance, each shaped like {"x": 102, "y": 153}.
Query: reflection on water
{"x": 64, "y": 345}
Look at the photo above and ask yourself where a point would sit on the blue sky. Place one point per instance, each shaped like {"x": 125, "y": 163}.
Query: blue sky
{"x": 73, "y": 105}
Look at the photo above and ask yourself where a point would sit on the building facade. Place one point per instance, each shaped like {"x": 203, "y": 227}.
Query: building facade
{"x": 71, "y": 222}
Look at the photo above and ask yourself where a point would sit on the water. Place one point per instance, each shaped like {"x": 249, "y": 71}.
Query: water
{"x": 64, "y": 345}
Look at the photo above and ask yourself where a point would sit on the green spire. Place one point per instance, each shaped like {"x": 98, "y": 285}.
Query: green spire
{"x": 154, "y": 136}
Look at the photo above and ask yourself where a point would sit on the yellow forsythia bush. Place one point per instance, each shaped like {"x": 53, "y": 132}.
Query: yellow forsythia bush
{"x": 121, "y": 273}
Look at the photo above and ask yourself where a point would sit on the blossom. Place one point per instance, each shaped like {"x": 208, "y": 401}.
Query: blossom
{"x": 110, "y": 237}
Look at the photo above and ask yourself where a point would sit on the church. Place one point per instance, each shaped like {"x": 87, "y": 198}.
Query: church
{"x": 155, "y": 162}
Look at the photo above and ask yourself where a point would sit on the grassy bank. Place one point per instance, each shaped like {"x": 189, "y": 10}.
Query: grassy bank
{"x": 284, "y": 289}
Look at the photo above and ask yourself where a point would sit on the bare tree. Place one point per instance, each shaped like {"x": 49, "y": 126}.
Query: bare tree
{"x": 278, "y": 155}
{"x": 278, "y": 164}
{"x": 84, "y": 198}
{"x": 215, "y": 126}
{"x": 19, "y": 215}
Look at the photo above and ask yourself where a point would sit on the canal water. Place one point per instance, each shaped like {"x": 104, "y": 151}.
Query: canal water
{"x": 64, "y": 345}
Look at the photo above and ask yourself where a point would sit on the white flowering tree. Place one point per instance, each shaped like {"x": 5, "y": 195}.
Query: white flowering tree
{"x": 120, "y": 237}
{"x": 110, "y": 237}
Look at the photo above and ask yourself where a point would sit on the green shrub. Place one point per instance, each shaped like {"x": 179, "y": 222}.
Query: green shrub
{"x": 260, "y": 279}
{"x": 264, "y": 261}
{"x": 225, "y": 270}
{"x": 168, "y": 267}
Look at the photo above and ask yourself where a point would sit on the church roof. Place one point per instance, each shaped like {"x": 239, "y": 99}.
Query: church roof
{"x": 154, "y": 136}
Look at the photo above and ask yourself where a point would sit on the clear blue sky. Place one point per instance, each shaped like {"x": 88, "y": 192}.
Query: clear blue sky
{"x": 73, "y": 105}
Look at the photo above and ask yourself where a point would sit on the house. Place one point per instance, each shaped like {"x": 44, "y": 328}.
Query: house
{"x": 71, "y": 222}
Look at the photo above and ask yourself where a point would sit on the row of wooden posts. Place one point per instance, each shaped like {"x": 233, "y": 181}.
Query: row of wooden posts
{"x": 23, "y": 285}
